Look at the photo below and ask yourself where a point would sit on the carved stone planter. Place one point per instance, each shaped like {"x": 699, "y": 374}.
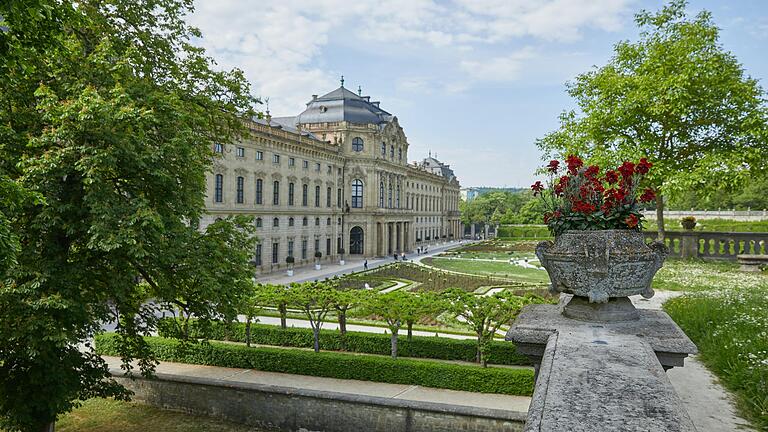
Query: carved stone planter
{"x": 597, "y": 266}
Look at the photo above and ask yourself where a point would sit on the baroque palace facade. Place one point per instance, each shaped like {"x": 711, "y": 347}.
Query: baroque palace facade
{"x": 334, "y": 177}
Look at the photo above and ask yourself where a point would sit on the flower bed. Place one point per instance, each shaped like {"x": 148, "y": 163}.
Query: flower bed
{"x": 434, "y": 280}
{"x": 336, "y": 365}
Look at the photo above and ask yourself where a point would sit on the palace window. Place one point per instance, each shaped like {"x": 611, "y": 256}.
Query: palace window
{"x": 381, "y": 194}
{"x": 304, "y": 249}
{"x": 327, "y": 247}
{"x": 218, "y": 148}
{"x": 328, "y": 221}
{"x": 305, "y": 164}
{"x": 257, "y": 255}
{"x": 259, "y": 155}
{"x": 290, "y": 248}
{"x": 317, "y": 196}
{"x": 240, "y": 187}
{"x": 219, "y": 189}
{"x": 275, "y": 250}
{"x": 240, "y": 152}
{"x": 317, "y": 245}
{"x": 317, "y": 221}
{"x": 290, "y": 222}
{"x": 400, "y": 154}
{"x": 357, "y": 144}
{"x": 389, "y": 197}
{"x": 397, "y": 197}
{"x": 383, "y": 150}
{"x": 357, "y": 193}
{"x": 290, "y": 193}
{"x": 338, "y": 197}
{"x": 391, "y": 151}
{"x": 305, "y": 221}
{"x": 304, "y": 194}
{"x": 291, "y": 161}
{"x": 276, "y": 158}
{"x": 317, "y": 167}
{"x": 276, "y": 193}
{"x": 259, "y": 191}
{"x": 275, "y": 222}
{"x": 258, "y": 222}
{"x": 328, "y": 198}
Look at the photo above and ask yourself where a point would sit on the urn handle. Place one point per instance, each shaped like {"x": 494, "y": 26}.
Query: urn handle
{"x": 541, "y": 248}
{"x": 661, "y": 251}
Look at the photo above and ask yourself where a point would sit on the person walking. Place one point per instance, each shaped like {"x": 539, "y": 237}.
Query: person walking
{"x": 365, "y": 265}
{"x": 395, "y": 256}
{"x": 402, "y": 256}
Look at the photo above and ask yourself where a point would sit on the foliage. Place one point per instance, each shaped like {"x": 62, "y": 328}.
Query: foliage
{"x": 495, "y": 208}
{"x": 500, "y": 352}
{"x": 674, "y": 96}
{"x": 485, "y": 314}
{"x": 108, "y": 116}
{"x": 516, "y": 231}
{"x": 724, "y": 225}
{"x": 337, "y": 365}
{"x": 749, "y": 195}
{"x": 275, "y": 296}
{"x": 582, "y": 199}
{"x": 729, "y": 328}
{"x": 393, "y": 308}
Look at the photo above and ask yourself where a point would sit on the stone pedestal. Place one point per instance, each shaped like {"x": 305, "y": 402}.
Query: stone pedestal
{"x": 689, "y": 247}
{"x": 602, "y": 375}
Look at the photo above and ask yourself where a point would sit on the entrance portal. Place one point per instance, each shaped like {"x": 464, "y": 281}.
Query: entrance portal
{"x": 356, "y": 241}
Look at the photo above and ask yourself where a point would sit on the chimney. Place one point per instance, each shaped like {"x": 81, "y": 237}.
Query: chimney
{"x": 314, "y": 97}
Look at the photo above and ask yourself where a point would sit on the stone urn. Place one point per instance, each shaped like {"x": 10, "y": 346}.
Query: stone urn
{"x": 601, "y": 269}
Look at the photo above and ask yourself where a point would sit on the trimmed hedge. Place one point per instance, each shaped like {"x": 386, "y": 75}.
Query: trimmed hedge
{"x": 502, "y": 353}
{"x": 524, "y": 231}
{"x": 336, "y": 365}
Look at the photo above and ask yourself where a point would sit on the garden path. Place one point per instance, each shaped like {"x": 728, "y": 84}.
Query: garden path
{"x": 710, "y": 406}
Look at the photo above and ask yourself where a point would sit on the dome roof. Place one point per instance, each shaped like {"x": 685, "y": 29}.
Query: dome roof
{"x": 343, "y": 105}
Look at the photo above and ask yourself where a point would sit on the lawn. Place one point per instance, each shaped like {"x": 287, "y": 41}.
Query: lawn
{"x": 688, "y": 275}
{"x": 501, "y": 269}
{"x": 106, "y": 415}
{"x": 730, "y": 328}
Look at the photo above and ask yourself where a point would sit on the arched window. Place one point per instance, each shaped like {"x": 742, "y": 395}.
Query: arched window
{"x": 276, "y": 193}
{"x": 317, "y": 196}
{"x": 259, "y": 191}
{"x": 219, "y": 189}
{"x": 389, "y": 198}
{"x": 391, "y": 151}
{"x": 290, "y": 193}
{"x": 328, "y": 221}
{"x": 381, "y": 194}
{"x": 328, "y": 197}
{"x": 240, "y": 187}
{"x": 258, "y": 222}
{"x": 383, "y": 150}
{"x": 290, "y": 222}
{"x": 357, "y": 193}
{"x": 276, "y": 222}
{"x": 357, "y": 144}
{"x": 397, "y": 197}
{"x": 317, "y": 221}
{"x": 304, "y": 222}
{"x": 304, "y": 194}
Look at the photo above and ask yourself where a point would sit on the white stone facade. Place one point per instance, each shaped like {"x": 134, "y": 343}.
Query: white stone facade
{"x": 303, "y": 182}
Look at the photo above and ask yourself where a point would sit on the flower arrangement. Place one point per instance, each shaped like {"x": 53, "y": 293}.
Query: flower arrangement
{"x": 688, "y": 222}
{"x": 579, "y": 197}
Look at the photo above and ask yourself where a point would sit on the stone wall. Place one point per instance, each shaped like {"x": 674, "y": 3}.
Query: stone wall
{"x": 288, "y": 409}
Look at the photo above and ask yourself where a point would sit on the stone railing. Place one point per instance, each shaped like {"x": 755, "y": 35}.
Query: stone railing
{"x": 713, "y": 245}
{"x": 738, "y": 215}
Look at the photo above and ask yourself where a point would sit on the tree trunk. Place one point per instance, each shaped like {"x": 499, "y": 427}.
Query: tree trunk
{"x": 316, "y": 333}
{"x": 479, "y": 355}
{"x": 248, "y": 331}
{"x": 660, "y": 216}
{"x": 393, "y": 338}
{"x": 282, "y": 308}
{"x": 50, "y": 427}
{"x": 342, "y": 321}
{"x": 410, "y": 330}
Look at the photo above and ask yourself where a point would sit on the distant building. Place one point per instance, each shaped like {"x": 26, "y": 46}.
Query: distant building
{"x": 470, "y": 193}
{"x": 335, "y": 176}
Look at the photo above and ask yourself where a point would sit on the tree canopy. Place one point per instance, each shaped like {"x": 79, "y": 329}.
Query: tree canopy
{"x": 675, "y": 96}
{"x": 108, "y": 115}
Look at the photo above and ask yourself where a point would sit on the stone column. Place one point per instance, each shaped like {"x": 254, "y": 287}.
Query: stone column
{"x": 399, "y": 235}
{"x": 690, "y": 244}
{"x": 472, "y": 230}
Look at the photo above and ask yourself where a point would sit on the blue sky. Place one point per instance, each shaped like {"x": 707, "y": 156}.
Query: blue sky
{"x": 475, "y": 81}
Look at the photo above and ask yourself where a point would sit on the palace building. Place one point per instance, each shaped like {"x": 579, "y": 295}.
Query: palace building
{"x": 334, "y": 178}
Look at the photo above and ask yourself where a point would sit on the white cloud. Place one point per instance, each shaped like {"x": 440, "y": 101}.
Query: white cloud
{"x": 280, "y": 43}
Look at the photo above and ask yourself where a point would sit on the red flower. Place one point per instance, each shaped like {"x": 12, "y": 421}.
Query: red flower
{"x": 611, "y": 177}
{"x": 553, "y": 166}
{"x": 648, "y": 195}
{"x": 583, "y": 207}
{"x": 627, "y": 169}
{"x": 643, "y": 166}
{"x": 561, "y": 185}
{"x": 631, "y": 221}
{"x": 574, "y": 163}
{"x": 537, "y": 188}
{"x": 592, "y": 171}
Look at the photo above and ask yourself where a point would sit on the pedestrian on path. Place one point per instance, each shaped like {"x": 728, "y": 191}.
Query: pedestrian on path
{"x": 395, "y": 255}
{"x": 418, "y": 250}
{"x": 365, "y": 265}
{"x": 403, "y": 256}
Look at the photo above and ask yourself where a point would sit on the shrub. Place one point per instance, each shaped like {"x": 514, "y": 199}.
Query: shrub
{"x": 502, "y": 353}
{"x": 336, "y": 365}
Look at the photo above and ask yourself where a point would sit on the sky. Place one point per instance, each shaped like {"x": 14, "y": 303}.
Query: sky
{"x": 475, "y": 82}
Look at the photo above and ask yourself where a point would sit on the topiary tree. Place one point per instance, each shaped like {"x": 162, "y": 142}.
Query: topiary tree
{"x": 392, "y": 307}
{"x": 315, "y": 299}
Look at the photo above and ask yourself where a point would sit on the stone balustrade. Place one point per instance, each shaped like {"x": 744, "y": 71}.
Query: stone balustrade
{"x": 712, "y": 245}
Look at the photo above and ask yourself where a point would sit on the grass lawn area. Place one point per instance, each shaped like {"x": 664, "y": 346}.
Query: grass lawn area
{"x": 490, "y": 255}
{"x": 694, "y": 275}
{"x": 499, "y": 269}
{"x": 730, "y": 328}
{"x": 106, "y": 415}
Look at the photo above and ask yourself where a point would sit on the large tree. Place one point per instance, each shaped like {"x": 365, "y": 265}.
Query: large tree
{"x": 674, "y": 96}
{"x": 108, "y": 116}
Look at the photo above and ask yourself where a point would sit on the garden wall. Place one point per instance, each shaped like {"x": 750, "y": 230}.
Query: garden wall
{"x": 289, "y": 409}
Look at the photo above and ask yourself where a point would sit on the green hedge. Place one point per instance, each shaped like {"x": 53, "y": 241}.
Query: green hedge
{"x": 524, "y": 231}
{"x": 336, "y": 365}
{"x": 503, "y": 353}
